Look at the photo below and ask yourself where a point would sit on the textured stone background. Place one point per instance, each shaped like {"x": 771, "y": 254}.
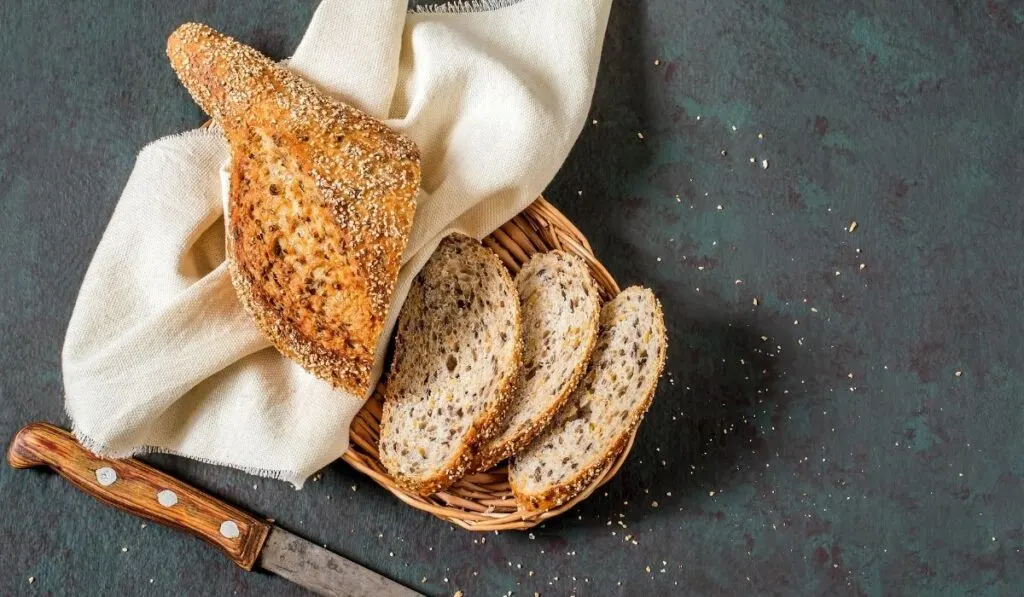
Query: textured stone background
{"x": 773, "y": 471}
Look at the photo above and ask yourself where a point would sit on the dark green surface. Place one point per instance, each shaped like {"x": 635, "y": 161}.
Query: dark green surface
{"x": 904, "y": 480}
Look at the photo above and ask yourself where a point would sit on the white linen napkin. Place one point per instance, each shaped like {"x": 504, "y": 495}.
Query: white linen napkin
{"x": 159, "y": 355}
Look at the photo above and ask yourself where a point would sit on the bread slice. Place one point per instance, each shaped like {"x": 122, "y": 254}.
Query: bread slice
{"x": 603, "y": 411}
{"x": 561, "y": 308}
{"x": 321, "y": 203}
{"x": 457, "y": 355}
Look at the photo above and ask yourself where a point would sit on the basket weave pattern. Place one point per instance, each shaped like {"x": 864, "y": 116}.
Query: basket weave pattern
{"x": 484, "y": 501}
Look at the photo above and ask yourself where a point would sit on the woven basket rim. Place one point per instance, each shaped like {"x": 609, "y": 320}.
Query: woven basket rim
{"x": 484, "y": 501}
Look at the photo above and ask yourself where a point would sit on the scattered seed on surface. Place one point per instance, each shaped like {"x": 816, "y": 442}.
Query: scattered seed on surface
{"x": 657, "y": 62}
{"x": 640, "y": 135}
{"x": 958, "y": 373}
{"x": 764, "y": 164}
{"x": 853, "y": 226}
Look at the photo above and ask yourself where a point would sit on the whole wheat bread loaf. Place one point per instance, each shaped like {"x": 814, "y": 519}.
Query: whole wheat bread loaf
{"x": 321, "y": 203}
{"x": 457, "y": 355}
{"x": 560, "y": 309}
{"x": 596, "y": 423}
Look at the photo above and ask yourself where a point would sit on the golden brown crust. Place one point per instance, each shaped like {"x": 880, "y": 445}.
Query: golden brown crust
{"x": 560, "y": 494}
{"x": 481, "y": 431}
{"x": 321, "y": 204}
{"x": 490, "y": 456}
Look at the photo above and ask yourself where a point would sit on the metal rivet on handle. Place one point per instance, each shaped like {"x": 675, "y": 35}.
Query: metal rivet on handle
{"x": 106, "y": 476}
{"x": 167, "y": 498}
{"x": 229, "y": 529}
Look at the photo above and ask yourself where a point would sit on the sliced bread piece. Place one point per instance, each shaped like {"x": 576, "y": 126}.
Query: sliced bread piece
{"x": 457, "y": 355}
{"x": 604, "y": 409}
{"x": 561, "y": 309}
{"x": 320, "y": 207}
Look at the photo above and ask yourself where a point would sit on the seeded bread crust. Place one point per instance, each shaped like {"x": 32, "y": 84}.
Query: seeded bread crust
{"x": 321, "y": 204}
{"x": 457, "y": 357}
{"x": 543, "y": 447}
{"x": 549, "y": 284}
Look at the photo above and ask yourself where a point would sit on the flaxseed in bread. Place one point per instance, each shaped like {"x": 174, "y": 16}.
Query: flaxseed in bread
{"x": 560, "y": 308}
{"x": 457, "y": 355}
{"x": 595, "y": 425}
{"x": 321, "y": 203}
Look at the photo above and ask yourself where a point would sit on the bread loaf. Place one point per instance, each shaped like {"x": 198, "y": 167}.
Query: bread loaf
{"x": 321, "y": 203}
{"x": 596, "y": 423}
{"x": 457, "y": 355}
{"x": 560, "y": 309}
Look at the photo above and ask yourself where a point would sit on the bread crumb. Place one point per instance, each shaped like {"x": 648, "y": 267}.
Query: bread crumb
{"x": 853, "y": 226}
{"x": 457, "y": 594}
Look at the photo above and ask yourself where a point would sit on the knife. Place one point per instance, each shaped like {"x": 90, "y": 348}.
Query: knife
{"x": 140, "y": 489}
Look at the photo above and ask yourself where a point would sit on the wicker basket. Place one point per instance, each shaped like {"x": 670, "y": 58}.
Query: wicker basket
{"x": 484, "y": 501}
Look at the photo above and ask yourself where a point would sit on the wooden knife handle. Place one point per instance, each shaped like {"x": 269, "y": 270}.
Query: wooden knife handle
{"x": 140, "y": 489}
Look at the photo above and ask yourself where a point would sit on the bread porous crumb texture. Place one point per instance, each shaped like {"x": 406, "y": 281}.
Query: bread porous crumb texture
{"x": 457, "y": 355}
{"x": 321, "y": 203}
{"x": 560, "y": 308}
{"x": 596, "y": 423}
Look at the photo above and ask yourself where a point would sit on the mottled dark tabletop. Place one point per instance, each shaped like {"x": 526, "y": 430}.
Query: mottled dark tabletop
{"x": 842, "y": 408}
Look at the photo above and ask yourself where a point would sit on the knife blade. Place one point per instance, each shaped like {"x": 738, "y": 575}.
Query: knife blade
{"x": 322, "y": 571}
{"x": 137, "y": 488}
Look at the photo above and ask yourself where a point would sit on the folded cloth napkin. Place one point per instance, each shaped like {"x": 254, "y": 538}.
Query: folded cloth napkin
{"x": 159, "y": 355}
